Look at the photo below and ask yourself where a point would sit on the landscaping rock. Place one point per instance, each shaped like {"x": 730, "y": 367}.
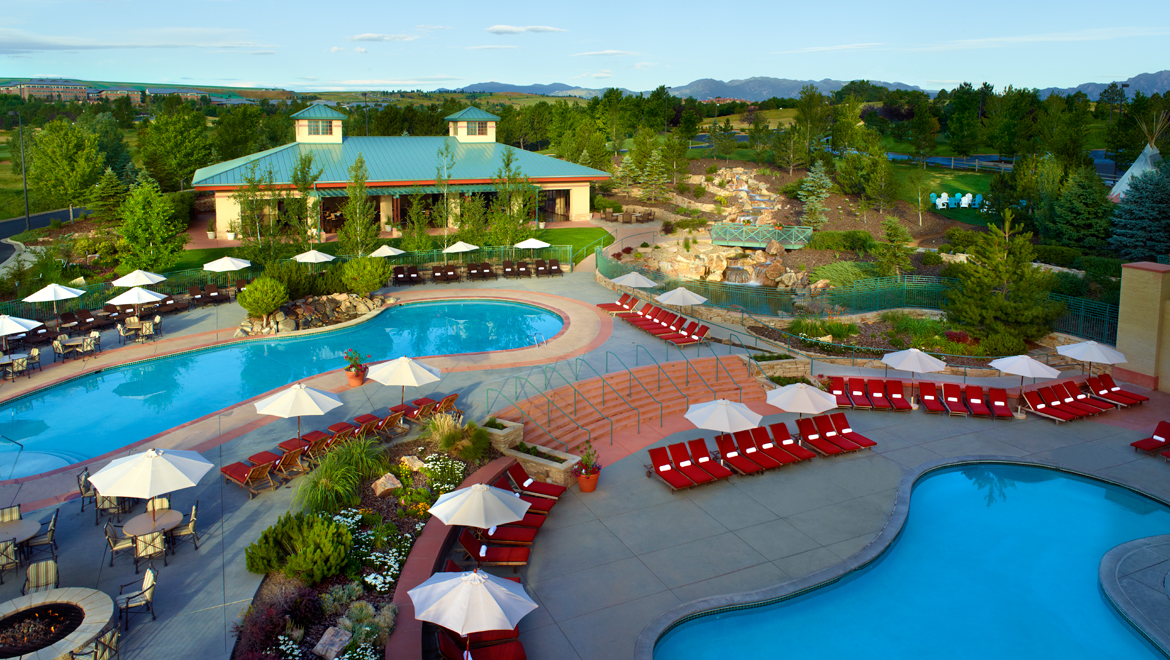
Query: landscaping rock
{"x": 774, "y": 271}
{"x": 287, "y": 325}
{"x": 759, "y": 256}
{"x": 240, "y": 333}
{"x": 332, "y": 643}
{"x": 789, "y": 279}
{"x": 385, "y": 484}
{"x": 775, "y": 248}
{"x": 413, "y": 462}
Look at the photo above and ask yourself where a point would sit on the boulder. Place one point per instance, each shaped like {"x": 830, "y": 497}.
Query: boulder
{"x": 332, "y": 643}
{"x": 954, "y": 258}
{"x": 789, "y": 279}
{"x": 287, "y": 325}
{"x": 278, "y": 317}
{"x": 413, "y": 462}
{"x": 802, "y": 279}
{"x": 716, "y": 262}
{"x": 715, "y": 277}
{"x": 774, "y": 248}
{"x": 240, "y": 333}
{"x": 385, "y": 484}
{"x": 821, "y": 284}
{"x": 759, "y": 256}
{"x": 774, "y": 271}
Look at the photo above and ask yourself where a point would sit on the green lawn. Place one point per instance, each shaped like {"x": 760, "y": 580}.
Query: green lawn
{"x": 578, "y": 238}
{"x": 940, "y": 180}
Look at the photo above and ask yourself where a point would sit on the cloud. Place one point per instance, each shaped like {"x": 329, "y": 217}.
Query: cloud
{"x": 19, "y": 42}
{"x": 383, "y": 37}
{"x": 604, "y": 73}
{"x": 1096, "y": 34}
{"x": 645, "y": 65}
{"x": 335, "y": 49}
{"x": 500, "y": 47}
{"x": 361, "y": 51}
{"x": 512, "y": 29}
{"x": 606, "y": 53}
{"x": 246, "y": 52}
{"x": 432, "y": 27}
{"x": 823, "y": 49}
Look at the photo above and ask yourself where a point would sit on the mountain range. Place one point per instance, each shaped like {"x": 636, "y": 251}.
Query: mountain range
{"x": 1147, "y": 83}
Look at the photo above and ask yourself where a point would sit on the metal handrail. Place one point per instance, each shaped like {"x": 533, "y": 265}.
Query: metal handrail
{"x": 585, "y": 250}
{"x": 8, "y": 439}
{"x": 718, "y": 365}
{"x": 690, "y": 368}
{"x": 661, "y": 373}
{"x": 577, "y": 374}
{"x": 523, "y": 413}
{"x": 548, "y": 411}
{"x": 547, "y": 386}
{"x": 654, "y": 234}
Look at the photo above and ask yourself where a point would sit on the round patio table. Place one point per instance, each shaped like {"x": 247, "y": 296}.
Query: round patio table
{"x": 19, "y": 530}
{"x": 162, "y": 520}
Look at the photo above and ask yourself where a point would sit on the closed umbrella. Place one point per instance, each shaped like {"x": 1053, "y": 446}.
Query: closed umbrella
{"x": 226, "y": 265}
{"x": 152, "y": 473}
{"x": 387, "y": 251}
{"x": 297, "y": 401}
{"x": 480, "y": 506}
{"x": 404, "y": 372}
{"x": 1023, "y": 366}
{"x": 136, "y": 297}
{"x": 723, "y": 415}
{"x": 635, "y": 280}
{"x": 1091, "y": 351}
{"x": 138, "y": 278}
{"x": 470, "y": 602}
{"x": 54, "y": 292}
{"x": 14, "y": 325}
{"x": 802, "y": 398}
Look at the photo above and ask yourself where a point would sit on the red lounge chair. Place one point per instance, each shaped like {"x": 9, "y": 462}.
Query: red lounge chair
{"x": 1041, "y": 409}
{"x": 699, "y": 337}
{"x": 485, "y": 555}
{"x": 877, "y": 395}
{"x": 531, "y": 519}
{"x": 1156, "y": 441}
{"x": 669, "y": 329}
{"x": 1073, "y": 393}
{"x": 642, "y": 311}
{"x": 1055, "y": 401}
{"x": 928, "y": 395}
{"x": 703, "y": 458}
{"x": 622, "y": 304}
{"x": 837, "y": 387}
{"x": 846, "y": 430}
{"x": 750, "y": 451}
{"x": 661, "y": 467}
{"x": 508, "y": 651}
{"x": 783, "y": 438}
{"x": 249, "y": 477}
{"x": 686, "y": 331}
{"x": 1100, "y": 391}
{"x": 897, "y": 400}
{"x": 857, "y": 393}
{"x": 809, "y": 434}
{"x": 763, "y": 443}
{"x": 952, "y": 397}
{"x": 976, "y": 402}
{"x": 537, "y": 504}
{"x": 686, "y": 465}
{"x": 829, "y": 432}
{"x": 508, "y": 535}
{"x": 1107, "y": 381}
{"x": 650, "y": 317}
{"x": 530, "y": 486}
{"x": 998, "y": 402}
{"x": 486, "y": 638}
{"x": 730, "y": 455}
{"x": 663, "y": 320}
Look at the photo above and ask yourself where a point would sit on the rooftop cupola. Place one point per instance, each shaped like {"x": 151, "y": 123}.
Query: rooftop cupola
{"x": 319, "y": 123}
{"x": 472, "y": 125}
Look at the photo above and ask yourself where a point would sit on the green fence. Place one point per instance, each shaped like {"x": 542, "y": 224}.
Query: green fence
{"x": 729, "y": 233}
{"x": 178, "y": 282}
{"x": 1164, "y": 259}
{"x": 1086, "y": 318}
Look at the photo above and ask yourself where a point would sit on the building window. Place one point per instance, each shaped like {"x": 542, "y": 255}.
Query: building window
{"x": 477, "y": 128}
{"x": 320, "y": 127}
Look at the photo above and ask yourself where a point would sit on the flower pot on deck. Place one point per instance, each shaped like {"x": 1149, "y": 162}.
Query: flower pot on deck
{"x": 355, "y": 378}
{"x": 588, "y": 482}
{"x": 507, "y": 437}
{"x": 211, "y": 235}
{"x": 231, "y": 235}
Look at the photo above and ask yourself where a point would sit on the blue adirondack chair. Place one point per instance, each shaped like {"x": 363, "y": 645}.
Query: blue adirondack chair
{"x": 933, "y": 198}
{"x": 953, "y": 201}
{"x": 978, "y": 201}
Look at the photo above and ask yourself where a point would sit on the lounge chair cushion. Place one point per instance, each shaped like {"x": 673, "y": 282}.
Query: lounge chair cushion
{"x": 236, "y": 471}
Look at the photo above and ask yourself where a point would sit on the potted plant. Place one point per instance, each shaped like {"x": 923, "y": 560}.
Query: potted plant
{"x": 588, "y": 469}
{"x": 211, "y": 228}
{"x": 231, "y": 232}
{"x": 356, "y": 370}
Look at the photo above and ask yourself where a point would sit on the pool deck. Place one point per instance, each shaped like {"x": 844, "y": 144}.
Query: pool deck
{"x": 1133, "y": 577}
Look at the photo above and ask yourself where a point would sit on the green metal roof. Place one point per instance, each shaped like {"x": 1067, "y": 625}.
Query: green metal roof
{"x": 318, "y": 111}
{"x": 411, "y": 190}
{"x": 398, "y": 161}
{"x": 472, "y": 114}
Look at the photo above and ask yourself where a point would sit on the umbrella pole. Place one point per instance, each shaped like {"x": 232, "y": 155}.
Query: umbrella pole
{"x": 1020, "y": 399}
{"x": 298, "y": 427}
{"x": 403, "y": 401}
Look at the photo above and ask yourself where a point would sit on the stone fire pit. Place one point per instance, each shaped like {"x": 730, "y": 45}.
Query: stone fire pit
{"x": 96, "y": 610}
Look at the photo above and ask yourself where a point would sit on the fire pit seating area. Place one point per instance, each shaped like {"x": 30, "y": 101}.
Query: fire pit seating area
{"x": 50, "y": 624}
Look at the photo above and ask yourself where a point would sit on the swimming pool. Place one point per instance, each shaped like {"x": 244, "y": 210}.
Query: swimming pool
{"x": 994, "y": 561}
{"x": 101, "y": 412}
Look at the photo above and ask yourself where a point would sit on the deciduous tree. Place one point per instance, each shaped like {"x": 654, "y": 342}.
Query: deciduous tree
{"x": 174, "y": 146}
{"x": 359, "y": 233}
{"x": 64, "y": 164}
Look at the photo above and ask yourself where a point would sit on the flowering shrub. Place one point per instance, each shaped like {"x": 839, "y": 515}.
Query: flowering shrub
{"x": 354, "y": 360}
{"x": 363, "y": 652}
{"x": 589, "y": 463}
{"x": 349, "y": 518}
{"x": 379, "y": 582}
{"x": 286, "y": 648}
{"x": 444, "y": 474}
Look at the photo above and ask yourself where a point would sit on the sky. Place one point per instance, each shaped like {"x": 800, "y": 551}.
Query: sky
{"x": 309, "y": 46}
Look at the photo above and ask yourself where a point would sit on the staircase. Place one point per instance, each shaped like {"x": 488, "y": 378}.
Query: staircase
{"x": 675, "y": 385}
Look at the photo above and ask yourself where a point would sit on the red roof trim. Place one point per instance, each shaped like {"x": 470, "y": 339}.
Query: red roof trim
{"x": 411, "y": 184}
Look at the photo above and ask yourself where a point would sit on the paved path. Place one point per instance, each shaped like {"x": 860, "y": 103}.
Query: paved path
{"x": 13, "y": 226}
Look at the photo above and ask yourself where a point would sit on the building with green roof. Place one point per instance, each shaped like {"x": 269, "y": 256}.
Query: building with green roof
{"x": 399, "y": 167}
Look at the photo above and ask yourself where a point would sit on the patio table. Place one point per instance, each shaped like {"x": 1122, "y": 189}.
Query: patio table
{"x": 162, "y": 520}
{"x": 7, "y": 359}
{"x": 19, "y": 530}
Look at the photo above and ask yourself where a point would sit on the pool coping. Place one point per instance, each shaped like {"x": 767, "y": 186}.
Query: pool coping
{"x": 1125, "y": 600}
{"x": 672, "y": 618}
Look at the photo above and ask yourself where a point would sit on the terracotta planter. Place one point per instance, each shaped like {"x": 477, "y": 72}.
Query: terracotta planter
{"x": 588, "y": 482}
{"x": 355, "y": 378}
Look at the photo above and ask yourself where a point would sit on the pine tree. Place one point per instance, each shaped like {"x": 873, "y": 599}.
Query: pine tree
{"x": 893, "y": 257}
{"x": 785, "y": 147}
{"x": 674, "y": 153}
{"x": 814, "y": 190}
{"x": 1083, "y": 211}
{"x": 1141, "y": 222}
{"x": 654, "y": 178}
{"x": 999, "y": 291}
{"x": 723, "y": 139}
{"x": 923, "y": 132}
{"x": 882, "y": 186}
{"x": 106, "y": 197}
{"x": 151, "y": 237}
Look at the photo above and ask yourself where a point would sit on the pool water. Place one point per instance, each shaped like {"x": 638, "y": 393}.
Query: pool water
{"x": 101, "y": 412}
{"x": 994, "y": 561}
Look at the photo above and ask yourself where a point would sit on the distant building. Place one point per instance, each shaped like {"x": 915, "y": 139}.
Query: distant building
{"x": 51, "y": 89}
{"x": 185, "y": 94}
{"x": 231, "y": 101}
{"x": 723, "y": 100}
{"x": 115, "y": 93}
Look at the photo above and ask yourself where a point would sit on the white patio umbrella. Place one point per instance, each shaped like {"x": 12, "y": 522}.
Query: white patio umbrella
{"x": 136, "y": 297}
{"x": 151, "y": 473}
{"x": 1091, "y": 351}
{"x": 802, "y": 398}
{"x": 54, "y": 292}
{"x": 226, "y": 265}
{"x": 138, "y": 278}
{"x": 404, "y": 372}
{"x": 532, "y": 244}
{"x": 470, "y": 602}
{"x": 680, "y": 297}
{"x": 458, "y": 247}
{"x": 387, "y": 251}
{"x": 635, "y": 280}
{"x": 479, "y": 506}
{"x": 1023, "y": 366}
{"x": 914, "y": 361}
{"x": 298, "y": 401}
{"x": 313, "y": 257}
{"x": 723, "y": 415}
{"x": 14, "y": 325}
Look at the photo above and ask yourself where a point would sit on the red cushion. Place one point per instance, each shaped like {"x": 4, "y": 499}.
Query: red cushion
{"x": 341, "y": 426}
{"x": 364, "y": 419}
{"x": 402, "y": 408}
{"x": 237, "y": 471}
{"x": 506, "y": 534}
{"x": 315, "y": 435}
{"x": 495, "y": 554}
{"x": 295, "y": 443}
{"x": 419, "y": 403}
{"x": 1149, "y": 444}
{"x": 264, "y": 457}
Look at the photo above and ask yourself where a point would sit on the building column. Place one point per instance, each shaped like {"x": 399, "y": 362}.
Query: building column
{"x": 227, "y": 211}
{"x": 386, "y": 207}
{"x": 1143, "y": 325}
{"x": 579, "y": 202}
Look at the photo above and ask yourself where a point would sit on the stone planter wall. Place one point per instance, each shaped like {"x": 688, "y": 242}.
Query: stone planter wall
{"x": 538, "y": 468}
{"x": 509, "y": 437}
{"x": 785, "y": 368}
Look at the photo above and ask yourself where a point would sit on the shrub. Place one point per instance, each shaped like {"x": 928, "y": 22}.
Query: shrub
{"x": 364, "y": 275}
{"x": 1003, "y": 344}
{"x": 791, "y": 189}
{"x": 854, "y": 239}
{"x": 709, "y": 179}
{"x": 842, "y": 273}
{"x": 627, "y": 250}
{"x": 364, "y": 456}
{"x": 601, "y": 203}
{"x": 962, "y": 239}
{"x": 304, "y": 546}
{"x": 931, "y": 258}
{"x": 616, "y": 256}
{"x": 839, "y": 329}
{"x": 692, "y": 223}
{"x": 897, "y": 342}
{"x": 305, "y": 608}
{"x": 263, "y": 296}
{"x": 954, "y": 270}
{"x": 770, "y": 357}
{"x": 711, "y": 169}
{"x": 700, "y": 191}
{"x": 257, "y": 632}
{"x": 946, "y": 248}
{"x": 54, "y": 224}
{"x": 1099, "y": 267}
{"x": 667, "y": 228}
{"x": 1057, "y": 255}
{"x": 958, "y": 336}
{"x": 329, "y": 281}
{"x": 332, "y": 486}
{"x": 786, "y": 380}
{"x": 340, "y": 596}
{"x": 682, "y": 188}
{"x": 644, "y": 244}
{"x": 296, "y": 278}
{"x": 1070, "y": 284}
{"x": 687, "y": 244}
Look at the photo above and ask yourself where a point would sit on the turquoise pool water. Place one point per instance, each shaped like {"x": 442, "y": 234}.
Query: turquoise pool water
{"x": 104, "y": 411}
{"x": 994, "y": 561}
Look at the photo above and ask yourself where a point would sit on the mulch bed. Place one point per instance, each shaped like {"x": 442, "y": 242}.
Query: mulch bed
{"x": 870, "y": 335}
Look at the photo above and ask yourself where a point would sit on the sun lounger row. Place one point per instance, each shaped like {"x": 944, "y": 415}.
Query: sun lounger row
{"x": 209, "y": 294}
{"x": 1065, "y": 401}
{"x": 506, "y": 545}
{"x": 667, "y": 326}
{"x": 871, "y": 394}
{"x": 961, "y": 400}
{"x": 476, "y": 271}
{"x": 832, "y": 434}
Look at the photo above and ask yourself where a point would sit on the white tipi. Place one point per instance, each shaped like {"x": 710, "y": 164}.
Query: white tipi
{"x": 1149, "y": 158}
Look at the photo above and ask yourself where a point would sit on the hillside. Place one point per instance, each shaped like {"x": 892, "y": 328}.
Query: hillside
{"x": 1147, "y": 83}
{"x": 762, "y": 88}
